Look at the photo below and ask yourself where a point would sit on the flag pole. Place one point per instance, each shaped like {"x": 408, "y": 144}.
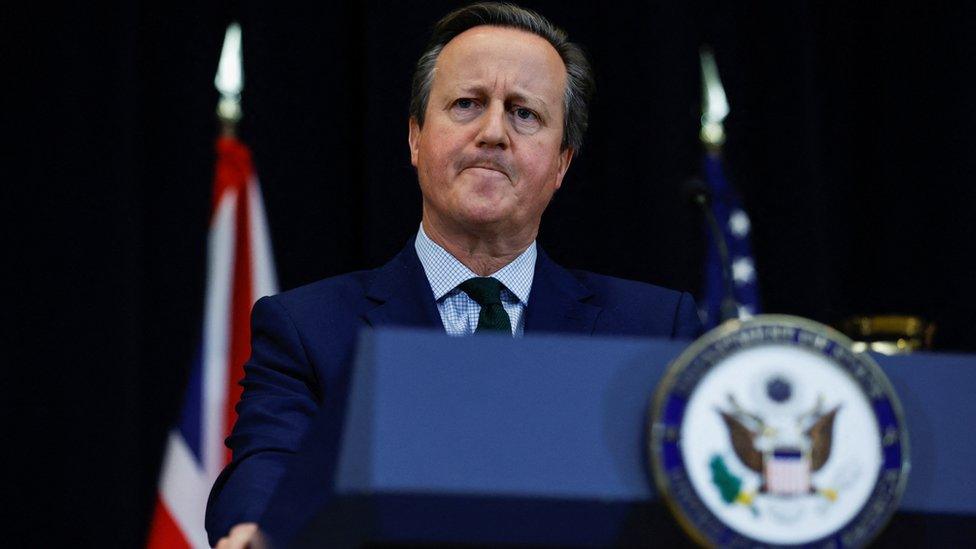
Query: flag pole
{"x": 731, "y": 284}
{"x": 715, "y": 107}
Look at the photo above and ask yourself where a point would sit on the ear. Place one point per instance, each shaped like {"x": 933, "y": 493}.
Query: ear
{"x": 565, "y": 158}
{"x": 413, "y": 139}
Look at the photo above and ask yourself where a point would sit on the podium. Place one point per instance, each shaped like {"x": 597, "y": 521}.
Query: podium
{"x": 542, "y": 441}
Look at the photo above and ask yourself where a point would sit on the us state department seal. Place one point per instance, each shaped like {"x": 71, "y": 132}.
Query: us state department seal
{"x": 771, "y": 431}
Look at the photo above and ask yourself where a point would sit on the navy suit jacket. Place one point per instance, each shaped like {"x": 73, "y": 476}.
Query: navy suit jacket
{"x": 303, "y": 343}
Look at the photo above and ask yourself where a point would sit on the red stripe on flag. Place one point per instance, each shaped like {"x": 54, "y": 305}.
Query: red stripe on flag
{"x": 163, "y": 531}
{"x": 234, "y": 171}
{"x": 234, "y": 168}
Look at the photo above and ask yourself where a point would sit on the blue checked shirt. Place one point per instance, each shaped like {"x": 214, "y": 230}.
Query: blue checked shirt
{"x": 459, "y": 313}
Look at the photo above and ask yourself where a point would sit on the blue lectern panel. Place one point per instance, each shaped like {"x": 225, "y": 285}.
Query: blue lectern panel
{"x": 541, "y": 417}
{"x": 565, "y": 418}
{"x": 938, "y": 392}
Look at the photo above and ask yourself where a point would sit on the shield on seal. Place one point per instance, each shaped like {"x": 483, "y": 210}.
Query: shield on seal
{"x": 787, "y": 472}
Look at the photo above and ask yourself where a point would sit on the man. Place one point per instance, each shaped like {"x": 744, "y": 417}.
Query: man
{"x": 497, "y": 113}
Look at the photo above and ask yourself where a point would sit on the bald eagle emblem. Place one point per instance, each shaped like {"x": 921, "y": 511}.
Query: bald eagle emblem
{"x": 785, "y": 451}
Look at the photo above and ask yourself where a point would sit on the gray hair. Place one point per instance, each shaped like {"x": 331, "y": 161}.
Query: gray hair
{"x": 579, "y": 75}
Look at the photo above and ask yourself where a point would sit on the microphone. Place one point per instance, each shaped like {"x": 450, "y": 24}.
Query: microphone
{"x": 698, "y": 193}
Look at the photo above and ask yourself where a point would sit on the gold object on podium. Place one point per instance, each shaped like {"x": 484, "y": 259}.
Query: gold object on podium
{"x": 889, "y": 334}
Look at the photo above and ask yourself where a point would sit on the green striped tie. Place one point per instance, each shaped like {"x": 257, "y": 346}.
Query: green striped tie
{"x": 486, "y": 292}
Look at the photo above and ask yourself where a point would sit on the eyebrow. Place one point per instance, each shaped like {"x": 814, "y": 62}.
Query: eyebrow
{"x": 530, "y": 100}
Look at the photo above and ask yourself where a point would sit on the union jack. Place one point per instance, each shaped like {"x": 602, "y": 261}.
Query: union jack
{"x": 240, "y": 269}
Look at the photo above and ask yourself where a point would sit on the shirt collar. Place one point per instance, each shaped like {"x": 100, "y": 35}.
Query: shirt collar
{"x": 445, "y": 272}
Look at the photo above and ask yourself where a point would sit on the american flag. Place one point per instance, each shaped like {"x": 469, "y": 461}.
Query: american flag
{"x": 736, "y": 227}
{"x": 240, "y": 269}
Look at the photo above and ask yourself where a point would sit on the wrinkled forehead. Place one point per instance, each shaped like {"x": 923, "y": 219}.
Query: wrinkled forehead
{"x": 501, "y": 59}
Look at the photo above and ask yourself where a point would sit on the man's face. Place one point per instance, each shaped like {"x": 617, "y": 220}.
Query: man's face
{"x": 488, "y": 157}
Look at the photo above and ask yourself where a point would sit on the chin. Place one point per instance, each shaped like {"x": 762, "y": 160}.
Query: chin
{"x": 483, "y": 215}
{"x": 483, "y": 219}
{"x": 484, "y": 204}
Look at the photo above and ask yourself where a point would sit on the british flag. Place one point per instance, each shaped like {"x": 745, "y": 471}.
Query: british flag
{"x": 240, "y": 269}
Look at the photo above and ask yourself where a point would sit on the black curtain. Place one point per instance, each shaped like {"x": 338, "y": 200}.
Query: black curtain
{"x": 850, "y": 138}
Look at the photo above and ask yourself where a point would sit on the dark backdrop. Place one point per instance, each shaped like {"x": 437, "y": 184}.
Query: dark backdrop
{"x": 851, "y": 138}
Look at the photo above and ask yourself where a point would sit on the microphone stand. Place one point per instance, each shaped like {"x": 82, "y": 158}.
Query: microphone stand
{"x": 729, "y": 307}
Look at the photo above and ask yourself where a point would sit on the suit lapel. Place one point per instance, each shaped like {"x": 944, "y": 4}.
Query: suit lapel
{"x": 556, "y": 303}
{"x": 400, "y": 294}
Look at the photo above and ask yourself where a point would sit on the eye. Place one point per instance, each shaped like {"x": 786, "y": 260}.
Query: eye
{"x": 465, "y": 108}
{"x": 525, "y": 119}
{"x": 524, "y": 114}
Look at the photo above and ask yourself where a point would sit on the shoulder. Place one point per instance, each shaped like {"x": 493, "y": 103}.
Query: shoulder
{"x": 350, "y": 291}
{"x": 611, "y": 290}
{"x": 335, "y": 288}
{"x": 338, "y": 294}
{"x": 639, "y": 307}
{"x": 317, "y": 322}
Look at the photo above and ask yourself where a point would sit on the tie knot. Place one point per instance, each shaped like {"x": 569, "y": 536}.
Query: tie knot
{"x": 484, "y": 290}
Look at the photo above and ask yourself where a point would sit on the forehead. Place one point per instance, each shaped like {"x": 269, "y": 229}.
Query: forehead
{"x": 491, "y": 56}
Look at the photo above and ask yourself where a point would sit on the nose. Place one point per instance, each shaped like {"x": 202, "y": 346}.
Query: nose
{"x": 493, "y": 132}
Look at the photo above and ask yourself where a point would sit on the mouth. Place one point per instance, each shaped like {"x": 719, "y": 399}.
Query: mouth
{"x": 487, "y": 171}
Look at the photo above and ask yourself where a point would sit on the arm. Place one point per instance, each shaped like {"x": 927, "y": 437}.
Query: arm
{"x": 275, "y": 410}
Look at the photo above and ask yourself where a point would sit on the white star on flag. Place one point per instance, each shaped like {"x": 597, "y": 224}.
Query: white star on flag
{"x": 743, "y": 271}
{"x": 739, "y": 223}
